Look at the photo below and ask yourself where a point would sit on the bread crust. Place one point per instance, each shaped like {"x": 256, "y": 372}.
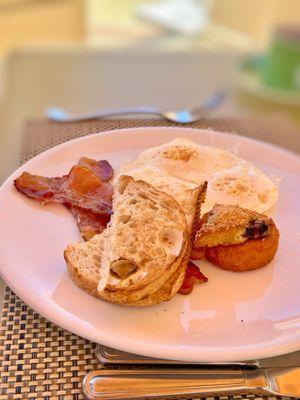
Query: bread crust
{"x": 82, "y": 281}
{"x": 166, "y": 292}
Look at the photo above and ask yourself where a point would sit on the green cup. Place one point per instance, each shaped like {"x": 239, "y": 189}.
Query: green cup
{"x": 281, "y": 66}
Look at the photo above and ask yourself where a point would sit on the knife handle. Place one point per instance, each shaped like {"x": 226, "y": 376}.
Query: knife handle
{"x": 165, "y": 382}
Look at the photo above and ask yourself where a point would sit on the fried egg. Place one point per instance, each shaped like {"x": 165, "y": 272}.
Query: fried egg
{"x": 243, "y": 185}
{"x": 231, "y": 179}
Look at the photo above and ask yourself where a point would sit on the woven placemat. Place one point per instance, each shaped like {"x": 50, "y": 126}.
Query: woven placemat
{"x": 41, "y": 135}
{"x": 40, "y": 360}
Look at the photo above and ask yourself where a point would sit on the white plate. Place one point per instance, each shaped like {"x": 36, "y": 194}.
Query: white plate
{"x": 232, "y": 317}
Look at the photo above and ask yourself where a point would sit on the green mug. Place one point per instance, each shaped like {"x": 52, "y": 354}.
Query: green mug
{"x": 281, "y": 66}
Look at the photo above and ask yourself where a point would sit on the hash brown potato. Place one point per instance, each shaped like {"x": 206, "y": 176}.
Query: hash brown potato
{"x": 247, "y": 256}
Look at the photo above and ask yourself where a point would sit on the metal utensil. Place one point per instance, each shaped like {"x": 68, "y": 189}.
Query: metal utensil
{"x": 165, "y": 378}
{"x": 142, "y": 384}
{"x": 180, "y": 116}
{"x": 110, "y": 357}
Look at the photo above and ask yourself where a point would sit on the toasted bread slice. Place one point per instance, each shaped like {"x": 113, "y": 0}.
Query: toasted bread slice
{"x": 86, "y": 269}
{"x": 147, "y": 240}
{"x": 146, "y": 297}
{"x": 229, "y": 225}
{"x": 83, "y": 260}
{"x": 168, "y": 283}
{"x": 148, "y": 293}
{"x": 184, "y": 192}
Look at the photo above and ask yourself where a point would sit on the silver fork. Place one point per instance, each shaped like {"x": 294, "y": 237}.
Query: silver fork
{"x": 180, "y": 116}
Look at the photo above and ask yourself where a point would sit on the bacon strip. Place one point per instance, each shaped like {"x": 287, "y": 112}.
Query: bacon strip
{"x": 81, "y": 188}
{"x": 102, "y": 169}
{"x": 84, "y": 191}
{"x": 192, "y": 277}
{"x": 39, "y": 187}
{"x": 88, "y": 222}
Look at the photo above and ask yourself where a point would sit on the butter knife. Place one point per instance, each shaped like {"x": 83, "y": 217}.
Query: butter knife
{"x": 193, "y": 382}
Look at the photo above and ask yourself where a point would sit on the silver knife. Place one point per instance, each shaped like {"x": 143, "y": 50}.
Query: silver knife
{"x": 271, "y": 376}
{"x": 193, "y": 382}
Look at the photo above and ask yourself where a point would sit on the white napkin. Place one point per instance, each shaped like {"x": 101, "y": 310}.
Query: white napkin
{"x": 183, "y": 16}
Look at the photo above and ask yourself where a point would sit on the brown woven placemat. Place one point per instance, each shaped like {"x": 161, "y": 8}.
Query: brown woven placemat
{"x": 41, "y": 135}
{"x": 40, "y": 360}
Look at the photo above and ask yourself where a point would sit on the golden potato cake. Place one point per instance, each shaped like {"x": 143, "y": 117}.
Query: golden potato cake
{"x": 250, "y": 255}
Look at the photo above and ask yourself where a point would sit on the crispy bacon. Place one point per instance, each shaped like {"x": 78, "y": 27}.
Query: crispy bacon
{"x": 192, "y": 277}
{"x": 89, "y": 223}
{"x": 84, "y": 191}
{"x": 81, "y": 188}
{"x": 102, "y": 169}
{"x": 39, "y": 187}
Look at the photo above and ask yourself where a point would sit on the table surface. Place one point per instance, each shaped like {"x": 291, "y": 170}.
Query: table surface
{"x": 81, "y": 80}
